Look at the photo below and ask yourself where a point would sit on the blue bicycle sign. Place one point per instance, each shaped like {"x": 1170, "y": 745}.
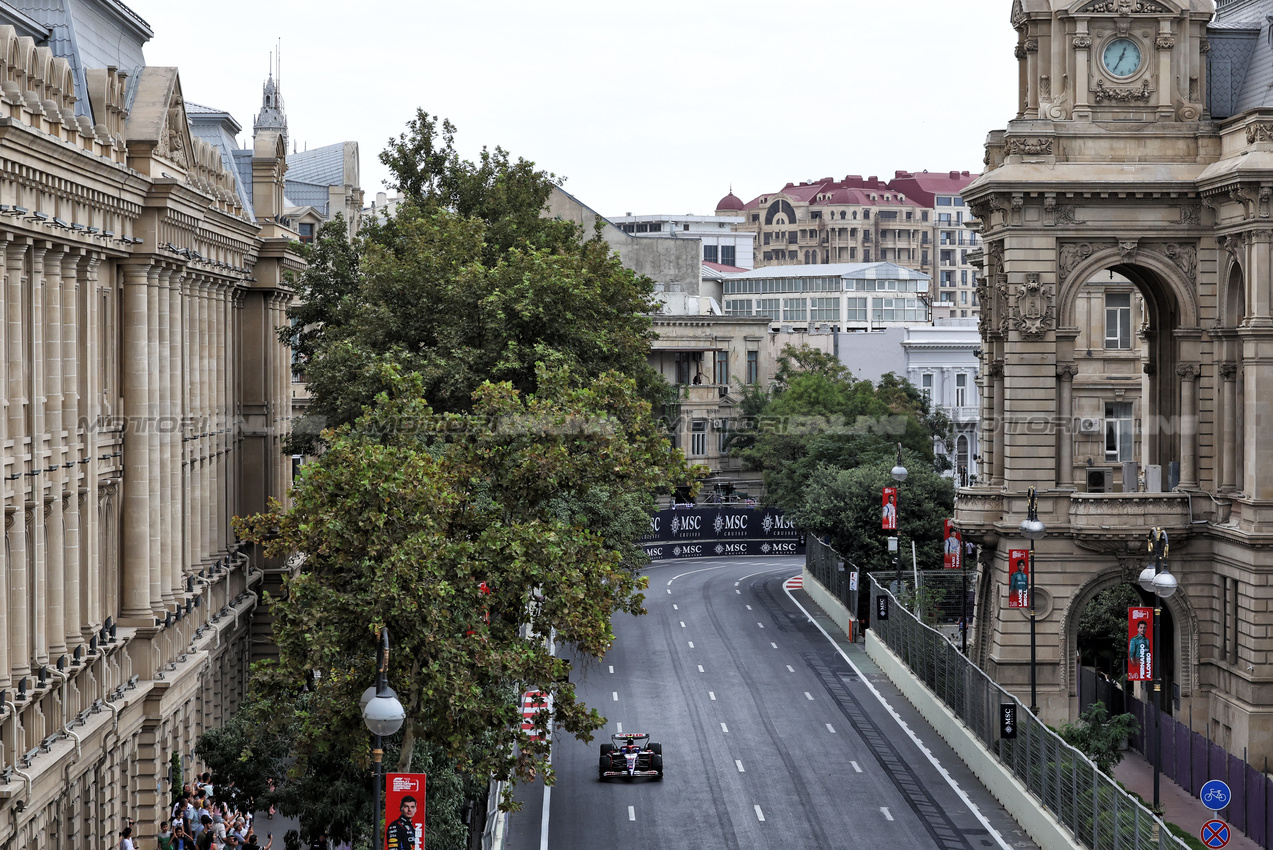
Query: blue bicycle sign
{"x": 1215, "y": 795}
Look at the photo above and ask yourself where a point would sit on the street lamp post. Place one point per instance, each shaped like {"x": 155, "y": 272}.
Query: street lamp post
{"x": 1032, "y": 529}
{"x": 899, "y": 474}
{"x": 383, "y": 715}
{"x": 1159, "y": 581}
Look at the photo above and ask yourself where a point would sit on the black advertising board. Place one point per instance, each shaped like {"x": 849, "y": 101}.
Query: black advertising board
{"x": 697, "y": 532}
{"x": 1007, "y": 720}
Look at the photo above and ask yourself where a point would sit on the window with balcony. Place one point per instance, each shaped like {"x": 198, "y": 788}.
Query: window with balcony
{"x": 866, "y": 255}
{"x": 753, "y": 367}
{"x": 923, "y": 257}
{"x": 947, "y": 279}
{"x": 1119, "y": 431}
{"x": 1118, "y": 320}
{"x": 791, "y": 239}
{"x": 698, "y": 437}
{"x": 866, "y": 215}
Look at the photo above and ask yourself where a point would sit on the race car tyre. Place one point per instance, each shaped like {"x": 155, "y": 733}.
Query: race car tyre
{"x": 656, "y": 763}
{"x": 656, "y": 748}
{"x": 607, "y": 748}
{"x": 602, "y": 766}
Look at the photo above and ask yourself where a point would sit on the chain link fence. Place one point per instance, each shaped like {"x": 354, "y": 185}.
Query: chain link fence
{"x": 1098, "y": 813}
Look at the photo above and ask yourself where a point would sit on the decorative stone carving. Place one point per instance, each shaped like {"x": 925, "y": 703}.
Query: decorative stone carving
{"x": 1049, "y": 211}
{"x": 1188, "y": 371}
{"x": 1033, "y": 313}
{"x": 1184, "y": 255}
{"x": 1019, "y": 52}
{"x": 981, "y": 209}
{"x": 1071, "y": 254}
{"x": 1082, "y": 42}
{"x": 1259, "y": 133}
{"x": 1018, "y": 14}
{"x": 1204, "y": 46}
{"x": 1127, "y": 248}
{"x": 1067, "y": 371}
{"x": 1244, "y": 197}
{"x": 1165, "y": 42}
{"x": 1066, "y": 214}
{"x": 1190, "y": 214}
{"x": 1018, "y": 205}
{"x": 1228, "y": 371}
{"x": 1194, "y": 90}
{"x": 1045, "y": 87}
{"x": 1126, "y": 7}
{"x": 1109, "y": 95}
{"x": 996, "y": 370}
{"x": 1031, "y": 45}
{"x": 1030, "y": 147}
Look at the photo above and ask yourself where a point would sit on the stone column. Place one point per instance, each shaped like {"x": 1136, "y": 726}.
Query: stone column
{"x": 207, "y": 401}
{"x": 1228, "y": 427}
{"x": 92, "y": 559}
{"x": 15, "y": 351}
{"x": 1065, "y": 424}
{"x": 177, "y": 411}
{"x": 1082, "y": 44}
{"x": 153, "y": 294}
{"x": 78, "y": 446}
{"x": 1165, "y": 43}
{"x": 54, "y": 474}
{"x": 1188, "y": 373}
{"x": 194, "y": 551}
{"x": 19, "y": 617}
{"x": 1032, "y": 76}
{"x": 169, "y": 577}
{"x": 998, "y": 437}
{"x": 135, "y": 519}
{"x": 5, "y": 599}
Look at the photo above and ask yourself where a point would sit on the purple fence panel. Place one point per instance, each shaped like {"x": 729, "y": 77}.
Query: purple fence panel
{"x": 1254, "y": 792}
{"x": 1217, "y": 762}
{"x": 1237, "y": 784}
{"x": 1201, "y": 769}
{"x": 1184, "y": 759}
{"x": 1169, "y": 748}
{"x": 1137, "y": 710}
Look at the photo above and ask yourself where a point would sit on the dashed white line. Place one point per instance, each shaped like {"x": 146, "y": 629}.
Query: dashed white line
{"x": 615, "y": 694}
{"x": 830, "y": 728}
{"x": 669, "y": 591}
{"x": 682, "y": 624}
{"x": 740, "y": 766}
{"x": 724, "y": 728}
{"x": 675, "y": 607}
{"x": 632, "y": 813}
{"x": 691, "y": 644}
{"x": 611, "y": 668}
{"x": 760, "y": 816}
{"x": 790, "y": 669}
{"x": 775, "y": 646}
{"x": 887, "y": 816}
{"x": 712, "y": 694}
{"x": 739, "y": 592}
{"x": 748, "y": 607}
{"x": 700, "y": 669}
{"x": 808, "y": 696}
{"x": 618, "y": 727}
{"x": 737, "y": 583}
{"x": 762, "y": 625}
{"x": 856, "y": 767}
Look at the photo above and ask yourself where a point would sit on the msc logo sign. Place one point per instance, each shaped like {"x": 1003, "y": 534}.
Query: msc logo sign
{"x": 694, "y": 551}
{"x": 782, "y": 548}
{"x": 654, "y": 524}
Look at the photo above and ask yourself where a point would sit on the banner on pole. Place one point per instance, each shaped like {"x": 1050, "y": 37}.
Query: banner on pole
{"x": 404, "y": 811}
{"x": 1140, "y": 644}
{"x": 890, "y": 509}
{"x": 1019, "y": 578}
{"x": 954, "y": 549}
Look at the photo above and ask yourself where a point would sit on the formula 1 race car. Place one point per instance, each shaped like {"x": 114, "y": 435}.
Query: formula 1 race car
{"x": 631, "y": 754}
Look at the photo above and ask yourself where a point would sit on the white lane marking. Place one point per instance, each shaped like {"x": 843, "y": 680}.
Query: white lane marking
{"x": 775, "y": 646}
{"x": 790, "y": 669}
{"x": 856, "y": 767}
{"x": 808, "y": 696}
{"x": 618, "y": 727}
{"x": 543, "y": 815}
{"x": 615, "y": 694}
{"x": 669, "y": 590}
{"x": 740, "y": 766}
{"x": 760, "y": 816}
{"x": 739, "y": 592}
{"x": 611, "y": 668}
{"x": 748, "y": 607}
{"x": 712, "y": 694}
{"x": 700, "y": 669}
{"x": 674, "y": 607}
{"x": 724, "y": 728}
{"x": 632, "y": 813}
{"x": 914, "y": 738}
{"x": 736, "y": 584}
{"x": 691, "y": 644}
{"x": 762, "y": 625}
{"x": 692, "y": 572}
{"x": 830, "y": 728}
{"x": 887, "y": 816}
{"x": 682, "y": 624}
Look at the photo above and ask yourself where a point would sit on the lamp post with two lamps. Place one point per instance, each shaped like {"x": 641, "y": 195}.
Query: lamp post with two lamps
{"x": 1032, "y": 529}
{"x": 1156, "y": 579}
{"x": 384, "y": 715}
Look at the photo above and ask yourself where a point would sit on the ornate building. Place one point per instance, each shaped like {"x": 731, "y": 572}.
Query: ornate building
{"x": 1139, "y": 163}
{"x": 143, "y": 395}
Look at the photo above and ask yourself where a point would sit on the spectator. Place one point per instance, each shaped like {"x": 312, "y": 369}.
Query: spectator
{"x": 204, "y": 841}
{"x": 166, "y": 841}
{"x": 126, "y": 839}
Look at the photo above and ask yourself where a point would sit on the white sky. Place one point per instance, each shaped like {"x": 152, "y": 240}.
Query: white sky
{"x": 654, "y": 107}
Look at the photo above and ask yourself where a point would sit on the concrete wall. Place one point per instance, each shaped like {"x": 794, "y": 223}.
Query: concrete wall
{"x": 870, "y": 355}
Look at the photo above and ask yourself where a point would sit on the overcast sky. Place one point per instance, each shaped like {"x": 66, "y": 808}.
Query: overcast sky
{"x": 654, "y": 107}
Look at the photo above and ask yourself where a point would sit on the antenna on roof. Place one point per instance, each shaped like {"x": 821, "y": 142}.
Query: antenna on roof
{"x": 278, "y": 64}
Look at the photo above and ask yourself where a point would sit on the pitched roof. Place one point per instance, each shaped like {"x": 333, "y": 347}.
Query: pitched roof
{"x": 324, "y": 166}
{"x": 905, "y": 189}
{"x": 925, "y": 186}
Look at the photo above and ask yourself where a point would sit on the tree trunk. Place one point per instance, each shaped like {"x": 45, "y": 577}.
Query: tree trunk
{"x": 408, "y": 728}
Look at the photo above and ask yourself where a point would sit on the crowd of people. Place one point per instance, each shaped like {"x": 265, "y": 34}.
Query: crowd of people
{"x": 204, "y": 819}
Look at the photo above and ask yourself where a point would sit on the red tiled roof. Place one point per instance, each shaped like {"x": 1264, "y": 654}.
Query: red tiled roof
{"x": 924, "y": 186}
{"x": 721, "y": 267}
{"x": 905, "y": 188}
{"x": 730, "y": 202}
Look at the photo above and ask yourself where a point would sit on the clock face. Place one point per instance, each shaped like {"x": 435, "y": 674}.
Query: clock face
{"x": 1121, "y": 57}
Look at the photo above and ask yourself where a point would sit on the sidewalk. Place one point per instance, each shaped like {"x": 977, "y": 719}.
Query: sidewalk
{"x": 1182, "y": 808}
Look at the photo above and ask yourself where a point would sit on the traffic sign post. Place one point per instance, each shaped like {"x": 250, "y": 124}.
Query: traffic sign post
{"x": 1215, "y": 795}
{"x": 1215, "y": 834}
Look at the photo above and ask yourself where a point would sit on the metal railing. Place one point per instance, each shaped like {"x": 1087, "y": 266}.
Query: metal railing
{"x": 1097, "y": 812}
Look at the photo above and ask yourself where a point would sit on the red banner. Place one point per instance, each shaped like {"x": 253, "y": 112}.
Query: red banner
{"x": 890, "y": 509}
{"x": 1140, "y": 644}
{"x": 404, "y": 811}
{"x": 954, "y": 547}
{"x": 1019, "y": 578}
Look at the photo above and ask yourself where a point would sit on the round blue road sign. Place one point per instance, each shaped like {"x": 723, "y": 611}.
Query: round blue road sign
{"x": 1215, "y": 795}
{"x": 1214, "y": 834}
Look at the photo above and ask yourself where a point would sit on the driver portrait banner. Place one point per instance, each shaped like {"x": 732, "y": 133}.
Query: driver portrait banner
{"x": 1140, "y": 644}
{"x": 889, "y": 511}
{"x": 953, "y": 547}
{"x": 1019, "y": 578}
{"x": 404, "y": 811}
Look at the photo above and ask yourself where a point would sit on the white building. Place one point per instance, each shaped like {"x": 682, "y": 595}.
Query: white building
{"x": 840, "y": 297}
{"x": 721, "y": 245}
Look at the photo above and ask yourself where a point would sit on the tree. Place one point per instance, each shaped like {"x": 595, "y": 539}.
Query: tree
{"x": 470, "y": 536}
{"x": 1099, "y": 736}
{"x": 1102, "y": 638}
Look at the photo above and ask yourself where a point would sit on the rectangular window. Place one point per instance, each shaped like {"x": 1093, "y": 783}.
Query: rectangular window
{"x": 722, "y": 434}
{"x": 943, "y": 202}
{"x": 926, "y": 385}
{"x": 963, "y": 277}
{"x": 698, "y": 437}
{"x": 923, "y": 216}
{"x": 947, "y": 279}
{"x": 738, "y": 307}
{"x": 768, "y": 237}
{"x": 1118, "y": 320}
{"x": 727, "y": 255}
{"x": 1119, "y": 441}
{"x": 721, "y": 372}
{"x": 961, "y": 390}
{"x": 770, "y": 308}
{"x": 709, "y": 254}
{"x": 767, "y": 255}
{"x": 795, "y": 309}
{"x": 866, "y": 255}
{"x": 853, "y": 253}
{"x": 825, "y": 310}
{"x": 753, "y": 367}
{"x": 307, "y": 233}
{"x": 792, "y": 239}
{"x": 923, "y": 257}
{"x": 684, "y": 368}
{"x": 855, "y": 310}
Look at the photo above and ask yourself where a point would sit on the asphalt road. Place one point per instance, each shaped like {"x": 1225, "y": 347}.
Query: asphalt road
{"x": 771, "y": 738}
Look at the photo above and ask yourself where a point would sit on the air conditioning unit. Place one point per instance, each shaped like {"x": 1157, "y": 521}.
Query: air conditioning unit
{"x": 1089, "y": 425}
{"x": 718, "y": 424}
{"x": 1100, "y": 479}
{"x": 786, "y": 329}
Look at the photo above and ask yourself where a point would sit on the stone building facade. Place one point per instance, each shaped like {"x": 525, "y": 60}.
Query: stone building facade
{"x": 1140, "y": 162}
{"x": 143, "y": 395}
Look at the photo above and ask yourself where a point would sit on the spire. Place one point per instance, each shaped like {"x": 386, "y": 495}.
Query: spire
{"x": 272, "y": 115}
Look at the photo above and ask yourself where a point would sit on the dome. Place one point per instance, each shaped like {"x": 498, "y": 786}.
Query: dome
{"x": 730, "y": 202}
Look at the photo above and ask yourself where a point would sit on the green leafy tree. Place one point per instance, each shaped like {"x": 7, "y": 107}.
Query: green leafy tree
{"x": 1102, "y": 638}
{"x": 1099, "y": 736}
{"x": 470, "y": 536}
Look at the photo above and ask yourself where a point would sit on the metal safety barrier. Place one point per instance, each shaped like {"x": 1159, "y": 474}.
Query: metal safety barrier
{"x": 1098, "y": 813}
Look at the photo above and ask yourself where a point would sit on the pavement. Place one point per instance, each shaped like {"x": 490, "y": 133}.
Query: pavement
{"x": 1181, "y": 807}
